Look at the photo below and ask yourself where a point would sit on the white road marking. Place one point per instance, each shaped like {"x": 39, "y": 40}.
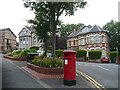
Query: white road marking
{"x": 104, "y": 68}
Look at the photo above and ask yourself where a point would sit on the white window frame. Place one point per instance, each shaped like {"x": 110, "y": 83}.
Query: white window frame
{"x": 92, "y": 39}
{"x": 103, "y": 38}
{"x": 82, "y": 41}
{"x": 97, "y": 38}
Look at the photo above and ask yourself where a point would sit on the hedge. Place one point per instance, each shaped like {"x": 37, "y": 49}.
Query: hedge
{"x": 113, "y": 54}
{"x": 81, "y": 53}
{"x": 95, "y": 54}
{"x": 34, "y": 47}
{"x": 59, "y": 53}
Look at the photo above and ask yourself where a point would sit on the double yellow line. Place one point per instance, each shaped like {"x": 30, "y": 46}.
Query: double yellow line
{"x": 93, "y": 81}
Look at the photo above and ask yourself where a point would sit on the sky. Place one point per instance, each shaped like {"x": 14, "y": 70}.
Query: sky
{"x": 13, "y": 14}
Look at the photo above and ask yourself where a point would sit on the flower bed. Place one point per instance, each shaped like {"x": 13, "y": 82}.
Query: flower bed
{"x": 16, "y": 59}
{"x": 45, "y": 70}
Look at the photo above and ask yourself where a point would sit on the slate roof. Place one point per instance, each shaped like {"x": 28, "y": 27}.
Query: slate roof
{"x": 94, "y": 28}
{"x": 74, "y": 34}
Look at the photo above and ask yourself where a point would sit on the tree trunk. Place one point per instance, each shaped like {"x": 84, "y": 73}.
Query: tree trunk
{"x": 53, "y": 24}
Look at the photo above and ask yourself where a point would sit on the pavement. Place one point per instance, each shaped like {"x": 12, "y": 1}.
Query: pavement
{"x": 14, "y": 76}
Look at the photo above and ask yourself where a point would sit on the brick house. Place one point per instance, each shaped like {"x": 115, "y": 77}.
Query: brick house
{"x": 7, "y": 40}
{"x": 89, "y": 38}
{"x": 28, "y": 38}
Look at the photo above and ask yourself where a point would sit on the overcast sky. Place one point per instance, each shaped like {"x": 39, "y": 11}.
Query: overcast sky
{"x": 13, "y": 15}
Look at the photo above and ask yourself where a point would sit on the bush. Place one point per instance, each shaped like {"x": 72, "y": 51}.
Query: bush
{"x": 16, "y": 52}
{"x": 30, "y": 50}
{"x": 47, "y": 62}
{"x": 81, "y": 53}
{"x": 9, "y": 54}
{"x": 113, "y": 54}
{"x": 49, "y": 51}
{"x": 96, "y": 54}
{"x": 22, "y": 54}
{"x": 35, "y": 47}
{"x": 59, "y": 53}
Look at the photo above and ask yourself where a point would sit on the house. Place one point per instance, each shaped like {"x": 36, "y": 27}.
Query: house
{"x": 7, "y": 40}
{"x": 89, "y": 38}
{"x": 28, "y": 38}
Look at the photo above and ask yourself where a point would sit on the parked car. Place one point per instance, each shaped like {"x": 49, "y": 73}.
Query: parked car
{"x": 105, "y": 60}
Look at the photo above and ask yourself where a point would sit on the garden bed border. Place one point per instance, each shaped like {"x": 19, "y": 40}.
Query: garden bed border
{"x": 15, "y": 59}
{"x": 45, "y": 70}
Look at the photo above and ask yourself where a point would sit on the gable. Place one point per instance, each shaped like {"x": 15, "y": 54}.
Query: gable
{"x": 24, "y": 32}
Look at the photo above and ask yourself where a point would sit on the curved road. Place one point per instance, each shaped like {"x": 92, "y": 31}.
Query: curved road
{"x": 105, "y": 74}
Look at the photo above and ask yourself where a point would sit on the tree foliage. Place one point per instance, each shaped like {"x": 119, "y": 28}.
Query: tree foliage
{"x": 67, "y": 29}
{"x": 47, "y": 16}
{"x": 113, "y": 29}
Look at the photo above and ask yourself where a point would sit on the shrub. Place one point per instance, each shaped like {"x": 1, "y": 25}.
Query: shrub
{"x": 113, "y": 54}
{"x": 47, "y": 62}
{"x": 81, "y": 53}
{"x": 16, "y": 52}
{"x": 59, "y": 53}
{"x": 22, "y": 54}
{"x": 35, "y": 47}
{"x": 9, "y": 54}
{"x": 49, "y": 51}
{"x": 30, "y": 50}
{"x": 95, "y": 54}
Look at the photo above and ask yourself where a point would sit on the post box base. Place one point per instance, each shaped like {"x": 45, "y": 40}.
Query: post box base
{"x": 69, "y": 82}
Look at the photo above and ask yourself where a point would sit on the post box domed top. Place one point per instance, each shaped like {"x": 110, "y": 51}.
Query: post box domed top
{"x": 69, "y": 51}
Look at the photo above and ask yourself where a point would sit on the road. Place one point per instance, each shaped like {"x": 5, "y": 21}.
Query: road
{"x": 105, "y": 74}
{"x": 0, "y": 70}
{"x": 14, "y": 77}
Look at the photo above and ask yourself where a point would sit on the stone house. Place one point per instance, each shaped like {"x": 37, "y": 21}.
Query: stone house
{"x": 89, "y": 38}
{"x": 7, "y": 40}
{"x": 27, "y": 39}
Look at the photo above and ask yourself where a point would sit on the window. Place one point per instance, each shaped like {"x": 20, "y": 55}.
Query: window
{"x": 69, "y": 43}
{"x": 74, "y": 42}
{"x": 27, "y": 41}
{"x": 82, "y": 41}
{"x": 91, "y": 39}
{"x": 23, "y": 40}
{"x": 97, "y": 38}
{"x": 103, "y": 39}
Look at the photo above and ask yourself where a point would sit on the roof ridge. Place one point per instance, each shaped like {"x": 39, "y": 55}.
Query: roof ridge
{"x": 98, "y": 28}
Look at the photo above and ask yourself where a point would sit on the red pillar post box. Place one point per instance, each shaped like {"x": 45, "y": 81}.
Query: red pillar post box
{"x": 69, "y": 67}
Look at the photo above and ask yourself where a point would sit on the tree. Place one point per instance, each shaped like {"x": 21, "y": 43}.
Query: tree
{"x": 67, "y": 29}
{"x": 113, "y": 29}
{"x": 50, "y": 13}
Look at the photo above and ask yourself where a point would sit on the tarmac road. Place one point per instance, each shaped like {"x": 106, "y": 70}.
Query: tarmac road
{"x": 0, "y": 70}
{"x": 14, "y": 77}
{"x": 105, "y": 74}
